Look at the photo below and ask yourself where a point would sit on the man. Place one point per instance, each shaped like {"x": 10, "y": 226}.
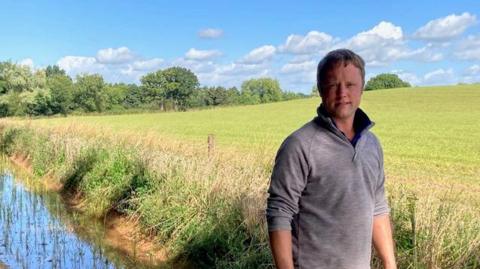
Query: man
{"x": 327, "y": 201}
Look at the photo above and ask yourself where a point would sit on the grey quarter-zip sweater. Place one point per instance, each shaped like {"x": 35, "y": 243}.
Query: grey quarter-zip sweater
{"x": 327, "y": 190}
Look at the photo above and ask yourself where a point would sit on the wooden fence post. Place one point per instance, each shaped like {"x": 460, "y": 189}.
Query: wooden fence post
{"x": 211, "y": 145}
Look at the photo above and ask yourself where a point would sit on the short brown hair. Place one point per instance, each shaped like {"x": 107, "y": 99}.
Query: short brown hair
{"x": 335, "y": 57}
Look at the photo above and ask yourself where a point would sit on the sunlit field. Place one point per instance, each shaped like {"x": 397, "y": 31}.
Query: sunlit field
{"x": 202, "y": 205}
{"x": 432, "y": 132}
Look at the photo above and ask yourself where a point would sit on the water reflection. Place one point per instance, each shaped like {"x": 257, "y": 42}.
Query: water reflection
{"x": 34, "y": 233}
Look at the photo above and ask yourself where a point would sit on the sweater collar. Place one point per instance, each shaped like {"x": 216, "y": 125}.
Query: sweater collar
{"x": 361, "y": 121}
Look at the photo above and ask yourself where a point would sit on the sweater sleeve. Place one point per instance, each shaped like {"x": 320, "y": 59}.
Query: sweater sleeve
{"x": 381, "y": 205}
{"x": 289, "y": 177}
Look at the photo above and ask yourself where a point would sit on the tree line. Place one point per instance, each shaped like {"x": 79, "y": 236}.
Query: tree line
{"x": 51, "y": 91}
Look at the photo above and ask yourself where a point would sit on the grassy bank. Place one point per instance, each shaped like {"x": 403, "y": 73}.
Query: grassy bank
{"x": 201, "y": 209}
{"x": 210, "y": 209}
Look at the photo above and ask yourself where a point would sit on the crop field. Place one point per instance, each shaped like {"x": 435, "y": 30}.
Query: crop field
{"x": 431, "y": 132}
{"x": 431, "y": 142}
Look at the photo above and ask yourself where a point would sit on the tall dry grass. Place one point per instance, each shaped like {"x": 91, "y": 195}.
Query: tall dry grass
{"x": 210, "y": 209}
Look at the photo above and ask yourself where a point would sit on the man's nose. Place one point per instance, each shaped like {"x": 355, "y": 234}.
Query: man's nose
{"x": 341, "y": 90}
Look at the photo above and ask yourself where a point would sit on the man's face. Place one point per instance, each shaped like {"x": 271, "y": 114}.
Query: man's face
{"x": 342, "y": 90}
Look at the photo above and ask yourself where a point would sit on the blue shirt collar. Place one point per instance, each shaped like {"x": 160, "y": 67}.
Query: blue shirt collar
{"x": 361, "y": 122}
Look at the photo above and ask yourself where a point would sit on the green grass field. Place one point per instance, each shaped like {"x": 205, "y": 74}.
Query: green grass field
{"x": 155, "y": 167}
{"x": 427, "y": 132}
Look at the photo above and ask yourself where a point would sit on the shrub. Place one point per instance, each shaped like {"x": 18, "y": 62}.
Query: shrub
{"x": 385, "y": 81}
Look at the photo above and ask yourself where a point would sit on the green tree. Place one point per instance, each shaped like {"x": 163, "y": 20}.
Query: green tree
{"x": 153, "y": 89}
{"x": 198, "y": 98}
{"x": 54, "y": 70}
{"x": 134, "y": 97}
{"x": 180, "y": 84}
{"x": 385, "y": 81}
{"x": 314, "y": 92}
{"x": 172, "y": 86}
{"x": 10, "y": 104}
{"x": 215, "y": 96}
{"x": 61, "y": 93}
{"x": 293, "y": 95}
{"x": 233, "y": 96}
{"x": 4, "y": 106}
{"x": 37, "y": 103}
{"x": 3, "y": 85}
{"x": 15, "y": 77}
{"x": 39, "y": 80}
{"x": 89, "y": 93}
{"x": 116, "y": 95}
{"x": 267, "y": 90}
{"x": 23, "y": 92}
{"x": 249, "y": 98}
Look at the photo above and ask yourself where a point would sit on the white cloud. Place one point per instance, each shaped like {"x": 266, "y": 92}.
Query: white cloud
{"x": 445, "y": 28}
{"x": 234, "y": 69}
{"x": 307, "y": 66}
{"x": 227, "y": 75}
{"x": 236, "y": 73}
{"x": 380, "y": 45}
{"x": 439, "y": 77}
{"x": 436, "y": 77}
{"x": 149, "y": 64}
{"x": 471, "y": 74}
{"x": 473, "y": 70}
{"x": 210, "y": 33}
{"x": 295, "y": 65}
{"x": 300, "y": 58}
{"x": 409, "y": 77}
{"x": 303, "y": 80}
{"x": 79, "y": 64}
{"x": 259, "y": 55}
{"x": 424, "y": 54}
{"x": 125, "y": 69}
{"x": 140, "y": 67}
{"x": 469, "y": 48}
{"x": 200, "y": 55}
{"x": 385, "y": 43}
{"x": 195, "y": 66}
{"x": 469, "y": 79}
{"x": 210, "y": 73}
{"x": 115, "y": 56}
{"x": 233, "y": 74}
{"x": 27, "y": 62}
{"x": 296, "y": 75}
{"x": 384, "y": 32}
{"x": 311, "y": 43}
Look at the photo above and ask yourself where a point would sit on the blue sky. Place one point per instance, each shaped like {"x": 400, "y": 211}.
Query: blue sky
{"x": 226, "y": 42}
